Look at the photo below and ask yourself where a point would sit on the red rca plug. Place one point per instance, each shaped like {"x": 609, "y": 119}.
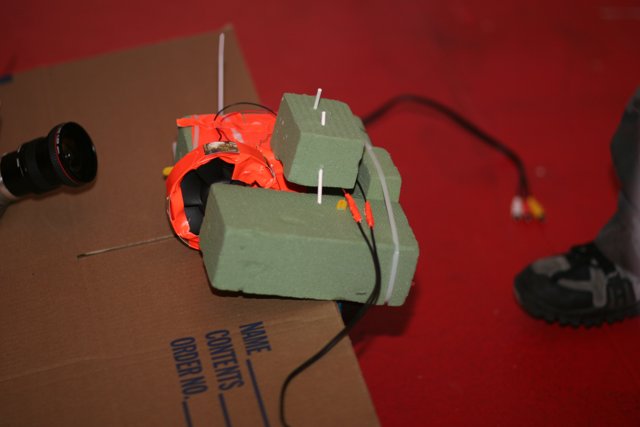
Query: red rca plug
{"x": 368, "y": 214}
{"x": 353, "y": 207}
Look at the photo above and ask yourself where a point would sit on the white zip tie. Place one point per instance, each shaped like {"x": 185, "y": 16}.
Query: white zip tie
{"x": 320, "y": 173}
{"x": 393, "y": 272}
{"x": 315, "y": 104}
{"x": 195, "y": 135}
{"x": 221, "y": 72}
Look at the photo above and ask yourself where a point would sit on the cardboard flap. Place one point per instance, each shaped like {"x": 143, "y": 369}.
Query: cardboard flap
{"x": 106, "y": 318}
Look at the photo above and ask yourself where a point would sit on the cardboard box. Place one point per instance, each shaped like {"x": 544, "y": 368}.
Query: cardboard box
{"x": 106, "y": 318}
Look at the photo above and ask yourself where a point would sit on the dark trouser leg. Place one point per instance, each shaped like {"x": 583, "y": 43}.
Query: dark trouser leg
{"x": 619, "y": 239}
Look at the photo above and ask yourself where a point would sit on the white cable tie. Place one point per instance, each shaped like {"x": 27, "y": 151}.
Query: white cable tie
{"x": 317, "y": 102}
{"x": 320, "y": 173}
{"x": 323, "y": 118}
{"x": 220, "y": 72}
{"x": 393, "y": 272}
{"x": 196, "y": 137}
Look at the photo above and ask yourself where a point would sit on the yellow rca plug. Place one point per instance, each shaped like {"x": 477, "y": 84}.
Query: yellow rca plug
{"x": 167, "y": 171}
{"x": 536, "y": 209}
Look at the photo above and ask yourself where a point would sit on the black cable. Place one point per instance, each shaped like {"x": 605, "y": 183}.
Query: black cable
{"x": 373, "y": 298}
{"x": 255, "y": 104}
{"x": 522, "y": 190}
{"x": 464, "y": 123}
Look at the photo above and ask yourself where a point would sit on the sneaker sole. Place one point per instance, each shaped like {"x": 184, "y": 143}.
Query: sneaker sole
{"x": 586, "y": 318}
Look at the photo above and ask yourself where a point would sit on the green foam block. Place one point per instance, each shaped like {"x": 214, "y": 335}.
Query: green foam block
{"x": 279, "y": 243}
{"x": 370, "y": 181}
{"x": 304, "y": 146}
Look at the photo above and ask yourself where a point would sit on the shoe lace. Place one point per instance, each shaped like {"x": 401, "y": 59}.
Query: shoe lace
{"x": 589, "y": 254}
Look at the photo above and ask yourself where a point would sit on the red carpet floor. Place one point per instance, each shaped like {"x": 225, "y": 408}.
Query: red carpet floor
{"x": 549, "y": 78}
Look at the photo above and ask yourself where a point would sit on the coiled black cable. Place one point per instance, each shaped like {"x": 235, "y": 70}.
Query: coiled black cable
{"x": 464, "y": 123}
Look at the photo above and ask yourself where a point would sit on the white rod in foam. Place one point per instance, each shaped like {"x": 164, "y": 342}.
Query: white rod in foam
{"x": 323, "y": 118}
{"x": 317, "y": 102}
{"x": 221, "y": 72}
{"x": 320, "y": 176}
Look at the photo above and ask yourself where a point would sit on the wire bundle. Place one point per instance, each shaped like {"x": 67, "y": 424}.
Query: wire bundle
{"x": 526, "y": 208}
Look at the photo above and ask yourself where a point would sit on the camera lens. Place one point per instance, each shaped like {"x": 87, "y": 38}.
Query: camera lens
{"x": 66, "y": 156}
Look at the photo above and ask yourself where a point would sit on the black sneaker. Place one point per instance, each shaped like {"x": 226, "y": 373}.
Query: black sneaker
{"x": 581, "y": 287}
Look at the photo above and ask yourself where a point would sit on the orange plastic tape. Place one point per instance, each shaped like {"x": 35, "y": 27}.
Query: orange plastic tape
{"x": 241, "y": 139}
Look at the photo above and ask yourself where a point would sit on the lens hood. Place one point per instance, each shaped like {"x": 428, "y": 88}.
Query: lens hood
{"x": 66, "y": 156}
{"x": 72, "y": 154}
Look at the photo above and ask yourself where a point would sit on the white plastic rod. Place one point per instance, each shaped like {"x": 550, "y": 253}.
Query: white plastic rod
{"x": 323, "y": 118}
{"x": 315, "y": 104}
{"x": 221, "y": 72}
{"x": 320, "y": 173}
